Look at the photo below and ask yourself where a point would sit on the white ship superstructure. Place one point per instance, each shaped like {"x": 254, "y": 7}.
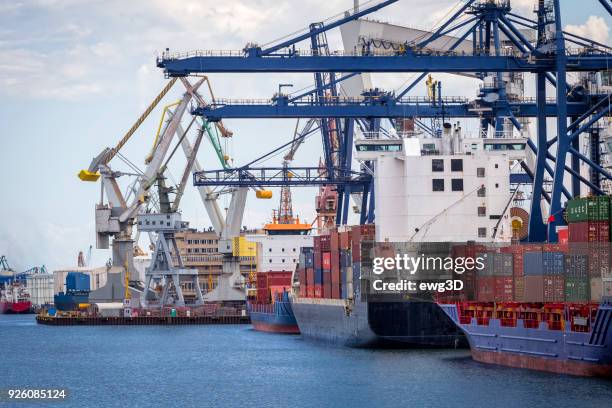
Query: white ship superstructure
{"x": 441, "y": 189}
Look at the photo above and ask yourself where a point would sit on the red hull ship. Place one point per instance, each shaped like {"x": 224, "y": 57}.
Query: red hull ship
{"x": 15, "y": 299}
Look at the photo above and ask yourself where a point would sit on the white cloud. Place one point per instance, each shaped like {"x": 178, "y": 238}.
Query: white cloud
{"x": 524, "y": 5}
{"x": 595, "y": 28}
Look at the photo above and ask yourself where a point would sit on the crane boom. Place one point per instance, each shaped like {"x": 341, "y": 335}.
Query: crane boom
{"x": 92, "y": 174}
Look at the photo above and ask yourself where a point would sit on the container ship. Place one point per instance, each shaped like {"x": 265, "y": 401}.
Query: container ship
{"x": 331, "y": 306}
{"x": 446, "y": 189}
{"x": 271, "y": 310}
{"x": 553, "y": 311}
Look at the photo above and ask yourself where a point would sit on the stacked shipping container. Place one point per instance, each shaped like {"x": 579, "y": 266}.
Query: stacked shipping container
{"x": 336, "y": 263}
{"x": 270, "y": 284}
{"x": 589, "y": 239}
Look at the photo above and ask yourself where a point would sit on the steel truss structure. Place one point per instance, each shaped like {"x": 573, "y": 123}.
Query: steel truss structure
{"x": 550, "y": 57}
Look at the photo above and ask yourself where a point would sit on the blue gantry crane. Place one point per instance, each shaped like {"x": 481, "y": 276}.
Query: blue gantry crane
{"x": 552, "y": 55}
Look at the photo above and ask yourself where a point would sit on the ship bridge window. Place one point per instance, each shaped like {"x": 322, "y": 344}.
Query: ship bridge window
{"x": 379, "y": 148}
{"x": 482, "y": 232}
{"x": 456, "y": 164}
{"x": 480, "y": 172}
{"x": 504, "y": 146}
{"x": 457, "y": 184}
{"x": 437, "y": 165}
{"x": 437, "y": 184}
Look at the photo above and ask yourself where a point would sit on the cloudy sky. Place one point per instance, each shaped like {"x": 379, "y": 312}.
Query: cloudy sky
{"x": 75, "y": 74}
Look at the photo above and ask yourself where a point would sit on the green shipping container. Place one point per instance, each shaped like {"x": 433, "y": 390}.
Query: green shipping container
{"x": 577, "y": 210}
{"x": 577, "y": 290}
{"x": 598, "y": 208}
{"x": 588, "y": 209}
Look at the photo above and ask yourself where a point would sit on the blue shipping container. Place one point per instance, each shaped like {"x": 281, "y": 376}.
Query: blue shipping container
{"x": 553, "y": 263}
{"x": 77, "y": 282}
{"x": 318, "y": 276}
{"x": 533, "y": 264}
{"x": 309, "y": 260}
{"x": 356, "y": 283}
{"x": 345, "y": 258}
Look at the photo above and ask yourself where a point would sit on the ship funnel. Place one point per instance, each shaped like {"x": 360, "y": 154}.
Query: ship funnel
{"x": 446, "y": 145}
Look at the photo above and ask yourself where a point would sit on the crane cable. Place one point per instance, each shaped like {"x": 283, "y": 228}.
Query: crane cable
{"x": 139, "y": 121}
{"x": 433, "y": 219}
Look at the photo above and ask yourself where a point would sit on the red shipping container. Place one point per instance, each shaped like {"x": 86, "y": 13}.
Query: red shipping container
{"x": 334, "y": 240}
{"x": 278, "y": 278}
{"x": 263, "y": 295}
{"x": 316, "y": 242}
{"x": 519, "y": 289}
{"x": 335, "y": 260}
{"x": 534, "y": 288}
{"x": 327, "y": 277}
{"x": 326, "y": 260}
{"x": 355, "y": 251}
{"x": 485, "y": 289}
{"x": 458, "y": 251}
{"x": 517, "y": 266}
{"x": 335, "y": 284}
{"x": 553, "y": 248}
{"x": 504, "y": 288}
{"x": 578, "y": 232}
{"x": 318, "y": 291}
{"x": 262, "y": 280}
{"x": 531, "y": 247}
{"x": 335, "y": 292}
{"x": 327, "y": 290}
{"x": 589, "y": 231}
{"x": 310, "y": 277}
{"x": 310, "y": 291}
{"x": 325, "y": 243}
{"x": 345, "y": 242}
{"x": 303, "y": 282}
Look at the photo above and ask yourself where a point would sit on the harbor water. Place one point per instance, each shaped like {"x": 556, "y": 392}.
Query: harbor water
{"x": 235, "y": 366}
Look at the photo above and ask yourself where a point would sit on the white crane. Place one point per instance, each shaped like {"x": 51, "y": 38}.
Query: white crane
{"x": 116, "y": 217}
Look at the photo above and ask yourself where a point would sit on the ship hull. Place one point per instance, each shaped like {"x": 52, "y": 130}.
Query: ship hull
{"x": 542, "y": 349}
{"x": 376, "y": 324}
{"x": 273, "y": 318}
{"x": 540, "y": 364}
{"x": 15, "y": 307}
